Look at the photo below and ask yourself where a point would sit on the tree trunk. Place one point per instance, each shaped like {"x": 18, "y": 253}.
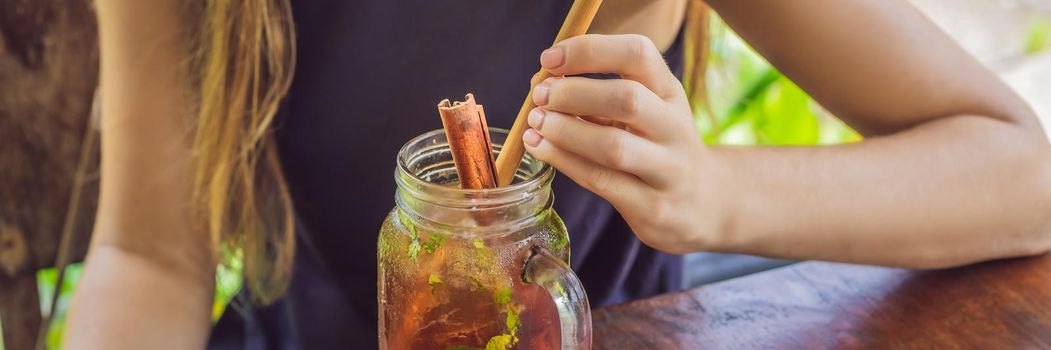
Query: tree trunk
{"x": 20, "y": 313}
{"x": 48, "y": 75}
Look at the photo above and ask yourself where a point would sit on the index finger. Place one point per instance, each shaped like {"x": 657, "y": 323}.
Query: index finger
{"x": 631, "y": 56}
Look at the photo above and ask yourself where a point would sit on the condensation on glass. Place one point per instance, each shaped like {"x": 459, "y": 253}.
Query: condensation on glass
{"x": 475, "y": 269}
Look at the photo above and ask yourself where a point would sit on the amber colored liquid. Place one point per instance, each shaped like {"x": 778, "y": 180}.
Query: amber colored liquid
{"x": 459, "y": 294}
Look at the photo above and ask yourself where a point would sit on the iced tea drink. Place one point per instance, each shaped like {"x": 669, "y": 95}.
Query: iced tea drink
{"x": 475, "y": 269}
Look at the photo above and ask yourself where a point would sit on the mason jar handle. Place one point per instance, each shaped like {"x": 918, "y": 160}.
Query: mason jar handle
{"x": 562, "y": 284}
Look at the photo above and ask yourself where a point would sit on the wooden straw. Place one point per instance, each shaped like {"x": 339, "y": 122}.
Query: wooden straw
{"x": 577, "y": 22}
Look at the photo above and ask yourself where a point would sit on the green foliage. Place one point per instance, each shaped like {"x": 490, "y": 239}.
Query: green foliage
{"x": 753, "y": 104}
{"x": 46, "y": 280}
{"x": 1039, "y": 36}
{"x": 228, "y": 281}
{"x": 784, "y": 116}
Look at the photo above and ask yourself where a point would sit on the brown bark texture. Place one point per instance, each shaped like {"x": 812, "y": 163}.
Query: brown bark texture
{"x": 48, "y": 75}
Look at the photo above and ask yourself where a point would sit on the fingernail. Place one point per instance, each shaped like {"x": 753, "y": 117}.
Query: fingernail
{"x": 532, "y": 138}
{"x": 552, "y": 58}
{"x": 536, "y": 118}
{"x": 540, "y": 94}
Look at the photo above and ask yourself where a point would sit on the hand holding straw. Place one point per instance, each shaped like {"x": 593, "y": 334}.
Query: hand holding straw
{"x": 577, "y": 22}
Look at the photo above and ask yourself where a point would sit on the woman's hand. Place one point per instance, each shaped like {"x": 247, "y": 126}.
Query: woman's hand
{"x": 630, "y": 140}
{"x": 954, "y": 169}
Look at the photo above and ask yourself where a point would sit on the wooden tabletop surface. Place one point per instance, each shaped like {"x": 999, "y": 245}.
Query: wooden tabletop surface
{"x": 995, "y": 305}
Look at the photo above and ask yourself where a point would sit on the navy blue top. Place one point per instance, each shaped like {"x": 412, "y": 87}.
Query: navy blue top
{"x": 368, "y": 76}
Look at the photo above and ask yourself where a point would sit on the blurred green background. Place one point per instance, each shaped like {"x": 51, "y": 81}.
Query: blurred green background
{"x": 752, "y": 103}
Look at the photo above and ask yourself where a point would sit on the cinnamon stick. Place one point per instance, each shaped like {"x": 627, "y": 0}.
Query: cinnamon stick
{"x": 469, "y": 142}
{"x": 468, "y": 135}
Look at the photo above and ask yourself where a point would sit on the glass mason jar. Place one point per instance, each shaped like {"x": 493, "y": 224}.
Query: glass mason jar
{"x": 475, "y": 269}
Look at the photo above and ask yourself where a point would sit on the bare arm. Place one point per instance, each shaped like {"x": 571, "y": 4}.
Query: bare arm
{"x": 659, "y": 20}
{"x": 956, "y": 168}
{"x": 148, "y": 281}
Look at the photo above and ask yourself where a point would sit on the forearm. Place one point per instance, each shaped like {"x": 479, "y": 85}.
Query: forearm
{"x": 948, "y": 192}
{"x": 146, "y": 165}
{"x": 126, "y": 300}
{"x": 149, "y": 274}
{"x": 659, "y": 20}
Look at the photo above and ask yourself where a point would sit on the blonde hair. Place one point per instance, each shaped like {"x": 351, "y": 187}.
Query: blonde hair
{"x": 696, "y": 50}
{"x": 244, "y": 64}
{"x": 246, "y": 55}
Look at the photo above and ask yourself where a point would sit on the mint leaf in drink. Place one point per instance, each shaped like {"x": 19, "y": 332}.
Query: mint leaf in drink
{"x": 434, "y": 280}
{"x": 502, "y": 296}
{"x": 414, "y": 247}
{"x": 501, "y": 342}
{"x": 512, "y": 319}
{"x": 436, "y": 241}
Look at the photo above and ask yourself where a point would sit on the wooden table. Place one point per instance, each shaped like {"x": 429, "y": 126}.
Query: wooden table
{"x": 995, "y": 305}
